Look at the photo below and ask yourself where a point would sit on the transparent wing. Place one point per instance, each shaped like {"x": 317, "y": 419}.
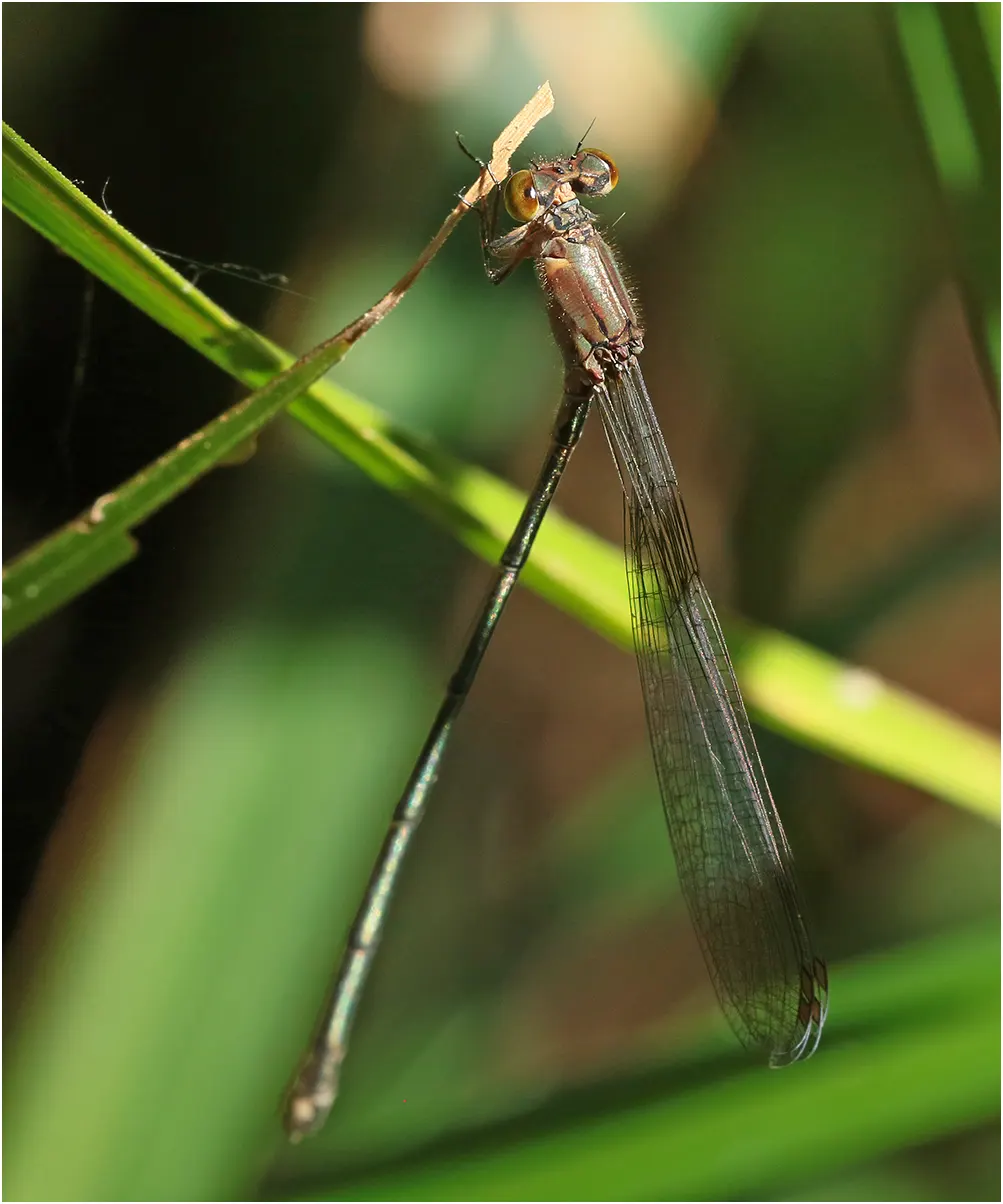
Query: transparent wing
{"x": 734, "y": 863}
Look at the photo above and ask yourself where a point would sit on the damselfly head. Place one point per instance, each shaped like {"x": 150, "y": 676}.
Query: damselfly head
{"x": 588, "y": 172}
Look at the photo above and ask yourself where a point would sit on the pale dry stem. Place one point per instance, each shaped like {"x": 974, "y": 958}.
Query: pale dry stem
{"x": 505, "y": 145}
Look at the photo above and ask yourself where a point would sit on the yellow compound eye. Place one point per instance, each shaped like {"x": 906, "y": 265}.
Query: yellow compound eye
{"x": 521, "y": 200}
{"x": 597, "y": 173}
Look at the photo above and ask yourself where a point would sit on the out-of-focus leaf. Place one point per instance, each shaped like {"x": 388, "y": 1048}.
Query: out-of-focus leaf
{"x": 951, "y": 53}
{"x": 696, "y": 1133}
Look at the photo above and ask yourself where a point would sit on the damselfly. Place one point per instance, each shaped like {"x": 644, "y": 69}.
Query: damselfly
{"x": 735, "y": 866}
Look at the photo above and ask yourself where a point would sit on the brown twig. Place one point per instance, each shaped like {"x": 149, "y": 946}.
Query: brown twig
{"x": 505, "y": 145}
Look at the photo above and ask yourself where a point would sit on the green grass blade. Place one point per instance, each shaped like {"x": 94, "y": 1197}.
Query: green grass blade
{"x": 818, "y": 700}
{"x": 789, "y": 685}
{"x": 948, "y": 51}
{"x": 55, "y": 571}
{"x": 97, "y": 542}
{"x": 44, "y": 198}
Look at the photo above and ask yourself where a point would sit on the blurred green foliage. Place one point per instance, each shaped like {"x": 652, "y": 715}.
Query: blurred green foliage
{"x": 951, "y": 57}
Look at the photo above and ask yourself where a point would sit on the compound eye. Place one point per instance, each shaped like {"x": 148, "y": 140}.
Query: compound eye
{"x": 597, "y": 173}
{"x": 521, "y": 199}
